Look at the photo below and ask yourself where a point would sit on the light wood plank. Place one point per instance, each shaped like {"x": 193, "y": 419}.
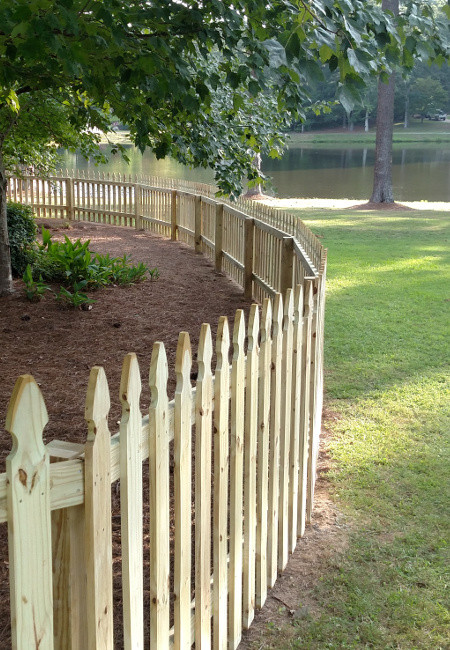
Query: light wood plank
{"x": 203, "y": 441}
{"x": 262, "y": 485}
{"x": 220, "y": 506}
{"x": 304, "y": 407}
{"x": 131, "y": 504}
{"x": 182, "y": 496}
{"x": 274, "y": 447}
{"x": 296, "y": 395}
{"x": 29, "y": 521}
{"x": 98, "y": 513}
{"x": 250, "y": 452}
{"x": 236, "y": 480}
{"x": 159, "y": 501}
{"x": 285, "y": 430}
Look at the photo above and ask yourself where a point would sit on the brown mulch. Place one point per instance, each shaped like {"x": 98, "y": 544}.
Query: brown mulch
{"x": 59, "y": 346}
{"x": 380, "y": 206}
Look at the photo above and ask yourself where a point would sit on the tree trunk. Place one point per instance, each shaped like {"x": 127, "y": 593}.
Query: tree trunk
{"x": 382, "y": 178}
{"x": 366, "y": 121}
{"x": 6, "y": 284}
{"x": 256, "y": 190}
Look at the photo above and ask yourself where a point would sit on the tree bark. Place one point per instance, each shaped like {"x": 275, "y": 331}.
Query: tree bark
{"x": 382, "y": 178}
{"x": 6, "y": 283}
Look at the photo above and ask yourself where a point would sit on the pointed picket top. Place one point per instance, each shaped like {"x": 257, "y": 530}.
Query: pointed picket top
{"x": 238, "y": 335}
{"x": 183, "y": 362}
{"x": 130, "y": 385}
{"x": 98, "y": 401}
{"x": 26, "y": 416}
{"x": 277, "y": 316}
{"x": 288, "y": 316}
{"x": 253, "y": 328}
{"x": 298, "y": 303}
{"x": 159, "y": 373}
{"x": 205, "y": 352}
{"x": 266, "y": 320}
{"x": 222, "y": 343}
{"x": 29, "y": 522}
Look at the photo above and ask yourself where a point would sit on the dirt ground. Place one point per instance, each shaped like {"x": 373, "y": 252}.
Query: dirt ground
{"x": 58, "y": 347}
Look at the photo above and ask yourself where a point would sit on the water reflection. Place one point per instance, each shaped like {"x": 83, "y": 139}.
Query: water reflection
{"x": 419, "y": 173}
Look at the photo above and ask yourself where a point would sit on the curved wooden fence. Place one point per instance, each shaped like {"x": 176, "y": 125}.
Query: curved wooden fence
{"x": 256, "y": 423}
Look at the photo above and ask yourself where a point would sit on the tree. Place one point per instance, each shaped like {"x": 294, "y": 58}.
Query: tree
{"x": 143, "y": 61}
{"x": 423, "y": 37}
{"x": 427, "y": 95}
{"x": 382, "y": 176}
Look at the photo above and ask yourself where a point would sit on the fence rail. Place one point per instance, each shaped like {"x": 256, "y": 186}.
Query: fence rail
{"x": 254, "y": 426}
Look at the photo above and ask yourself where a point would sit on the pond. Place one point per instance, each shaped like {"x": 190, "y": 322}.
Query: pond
{"x": 420, "y": 173}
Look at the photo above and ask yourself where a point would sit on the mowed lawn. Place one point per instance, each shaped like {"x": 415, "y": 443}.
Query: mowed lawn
{"x": 388, "y": 384}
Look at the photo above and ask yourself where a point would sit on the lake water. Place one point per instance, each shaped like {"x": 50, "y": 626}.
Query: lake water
{"x": 420, "y": 173}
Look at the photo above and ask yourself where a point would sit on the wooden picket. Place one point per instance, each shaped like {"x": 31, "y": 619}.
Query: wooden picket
{"x": 244, "y": 452}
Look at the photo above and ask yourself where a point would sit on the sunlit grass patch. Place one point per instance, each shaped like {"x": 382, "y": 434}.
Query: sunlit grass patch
{"x": 387, "y": 357}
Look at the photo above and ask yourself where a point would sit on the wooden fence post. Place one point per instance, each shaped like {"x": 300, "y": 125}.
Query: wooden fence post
{"x": 250, "y": 442}
{"x": 221, "y": 461}
{"x": 70, "y": 199}
{"x": 131, "y": 504}
{"x": 182, "y": 494}
{"x": 236, "y": 479}
{"x": 262, "y": 484}
{"x": 98, "y": 513}
{"x": 29, "y": 520}
{"x": 203, "y": 422}
{"x": 296, "y": 397}
{"x": 249, "y": 239}
{"x": 287, "y": 264}
{"x": 159, "y": 500}
{"x": 173, "y": 217}
{"x": 274, "y": 447}
{"x": 285, "y": 430}
{"x": 305, "y": 405}
{"x": 314, "y": 430}
{"x": 218, "y": 237}
{"x": 137, "y": 206}
{"x": 198, "y": 224}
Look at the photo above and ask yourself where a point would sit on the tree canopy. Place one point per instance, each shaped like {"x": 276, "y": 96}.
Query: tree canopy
{"x": 66, "y": 65}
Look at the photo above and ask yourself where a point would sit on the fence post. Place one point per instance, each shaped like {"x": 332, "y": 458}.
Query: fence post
{"x": 159, "y": 471}
{"x": 137, "y": 207}
{"x": 218, "y": 237}
{"x": 98, "y": 531}
{"x": 173, "y": 217}
{"x": 249, "y": 239}
{"x": 314, "y": 429}
{"x": 198, "y": 224}
{"x": 221, "y": 463}
{"x": 287, "y": 264}
{"x": 131, "y": 503}
{"x": 70, "y": 199}
{"x": 29, "y": 519}
{"x": 305, "y": 404}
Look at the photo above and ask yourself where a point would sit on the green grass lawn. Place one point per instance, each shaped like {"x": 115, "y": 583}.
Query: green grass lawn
{"x": 388, "y": 382}
{"x": 426, "y": 131}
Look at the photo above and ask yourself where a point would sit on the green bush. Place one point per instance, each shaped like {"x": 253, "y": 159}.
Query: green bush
{"x": 22, "y": 236}
{"x": 75, "y": 267}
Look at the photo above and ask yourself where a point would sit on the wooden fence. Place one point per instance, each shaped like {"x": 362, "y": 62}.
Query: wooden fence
{"x": 254, "y": 427}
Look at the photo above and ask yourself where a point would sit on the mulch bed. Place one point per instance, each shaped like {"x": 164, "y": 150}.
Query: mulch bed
{"x": 59, "y": 346}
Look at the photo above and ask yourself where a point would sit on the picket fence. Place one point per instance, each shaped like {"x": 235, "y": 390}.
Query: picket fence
{"x": 253, "y": 427}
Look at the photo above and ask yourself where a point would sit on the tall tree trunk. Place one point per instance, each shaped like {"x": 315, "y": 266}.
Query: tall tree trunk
{"x": 382, "y": 178}
{"x": 256, "y": 190}
{"x": 6, "y": 284}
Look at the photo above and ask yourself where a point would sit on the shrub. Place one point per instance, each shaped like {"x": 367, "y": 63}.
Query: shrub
{"x": 22, "y": 236}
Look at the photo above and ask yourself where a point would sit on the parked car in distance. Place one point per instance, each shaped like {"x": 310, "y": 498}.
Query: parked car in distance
{"x": 438, "y": 116}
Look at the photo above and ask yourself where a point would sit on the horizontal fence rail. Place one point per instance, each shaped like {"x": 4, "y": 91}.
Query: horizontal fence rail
{"x": 231, "y": 461}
